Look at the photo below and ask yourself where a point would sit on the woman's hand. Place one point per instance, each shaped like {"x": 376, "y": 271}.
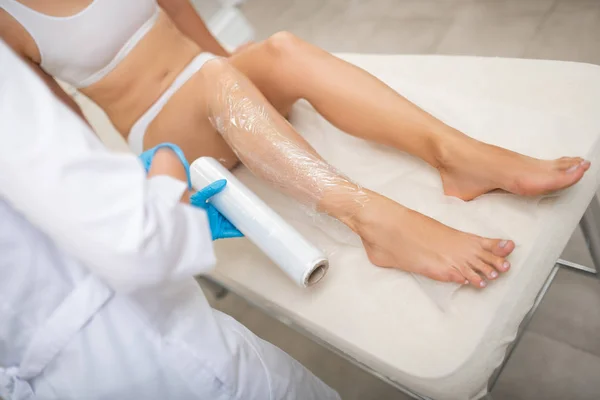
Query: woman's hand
{"x": 167, "y": 159}
{"x": 165, "y": 162}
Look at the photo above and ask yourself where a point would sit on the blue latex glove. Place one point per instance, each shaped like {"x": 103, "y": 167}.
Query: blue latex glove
{"x": 220, "y": 226}
{"x": 147, "y": 156}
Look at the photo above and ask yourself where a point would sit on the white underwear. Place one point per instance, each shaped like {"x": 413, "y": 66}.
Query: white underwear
{"x": 138, "y": 130}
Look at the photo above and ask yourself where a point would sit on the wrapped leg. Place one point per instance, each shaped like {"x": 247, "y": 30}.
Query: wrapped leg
{"x": 393, "y": 235}
{"x": 270, "y": 147}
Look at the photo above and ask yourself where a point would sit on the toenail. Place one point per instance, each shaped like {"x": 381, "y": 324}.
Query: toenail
{"x": 584, "y": 163}
{"x": 494, "y": 274}
{"x": 483, "y": 283}
{"x": 506, "y": 265}
{"x": 503, "y": 243}
{"x": 466, "y": 282}
{"x": 573, "y": 168}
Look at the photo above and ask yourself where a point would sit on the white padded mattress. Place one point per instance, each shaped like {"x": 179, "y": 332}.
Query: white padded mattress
{"x": 385, "y": 318}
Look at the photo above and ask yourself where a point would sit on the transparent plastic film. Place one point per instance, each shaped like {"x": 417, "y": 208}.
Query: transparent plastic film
{"x": 270, "y": 147}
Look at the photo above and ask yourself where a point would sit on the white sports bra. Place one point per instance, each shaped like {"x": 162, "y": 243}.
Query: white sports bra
{"x": 83, "y": 48}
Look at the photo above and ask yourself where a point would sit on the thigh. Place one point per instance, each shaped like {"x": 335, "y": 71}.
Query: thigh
{"x": 184, "y": 121}
{"x": 263, "y": 65}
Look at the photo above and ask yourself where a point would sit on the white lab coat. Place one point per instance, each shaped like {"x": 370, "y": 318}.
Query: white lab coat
{"x": 97, "y": 296}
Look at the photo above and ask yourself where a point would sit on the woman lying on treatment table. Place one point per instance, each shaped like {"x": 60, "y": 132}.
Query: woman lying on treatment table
{"x": 157, "y": 85}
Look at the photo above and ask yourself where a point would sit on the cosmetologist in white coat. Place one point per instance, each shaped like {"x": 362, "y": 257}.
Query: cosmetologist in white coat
{"x": 97, "y": 295}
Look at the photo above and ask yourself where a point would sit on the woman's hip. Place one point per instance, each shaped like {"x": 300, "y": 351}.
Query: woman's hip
{"x": 180, "y": 116}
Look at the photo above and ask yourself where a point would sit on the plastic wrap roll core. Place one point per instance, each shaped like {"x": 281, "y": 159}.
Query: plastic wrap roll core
{"x": 284, "y": 245}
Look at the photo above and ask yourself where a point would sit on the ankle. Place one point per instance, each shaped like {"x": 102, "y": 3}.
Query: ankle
{"x": 356, "y": 218}
{"x": 448, "y": 149}
{"x": 368, "y": 218}
{"x": 346, "y": 203}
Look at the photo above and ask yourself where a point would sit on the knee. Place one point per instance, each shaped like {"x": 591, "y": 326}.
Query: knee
{"x": 218, "y": 74}
{"x": 284, "y": 44}
{"x": 217, "y": 67}
{"x": 220, "y": 83}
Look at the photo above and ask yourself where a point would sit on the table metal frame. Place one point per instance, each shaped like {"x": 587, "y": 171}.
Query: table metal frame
{"x": 590, "y": 227}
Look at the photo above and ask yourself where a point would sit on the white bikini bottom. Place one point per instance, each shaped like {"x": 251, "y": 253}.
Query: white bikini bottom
{"x": 136, "y": 135}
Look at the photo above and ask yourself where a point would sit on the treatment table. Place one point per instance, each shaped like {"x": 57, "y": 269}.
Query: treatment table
{"x": 385, "y": 320}
{"x": 429, "y": 339}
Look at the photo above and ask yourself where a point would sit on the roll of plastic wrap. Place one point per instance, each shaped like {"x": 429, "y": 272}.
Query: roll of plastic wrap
{"x": 284, "y": 245}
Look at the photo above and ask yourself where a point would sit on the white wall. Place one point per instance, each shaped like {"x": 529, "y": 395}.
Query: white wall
{"x": 206, "y": 8}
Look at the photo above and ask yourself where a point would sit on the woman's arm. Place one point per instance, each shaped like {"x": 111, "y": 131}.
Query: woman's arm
{"x": 13, "y": 35}
{"x": 189, "y": 23}
{"x": 166, "y": 162}
{"x": 56, "y": 89}
{"x": 96, "y": 205}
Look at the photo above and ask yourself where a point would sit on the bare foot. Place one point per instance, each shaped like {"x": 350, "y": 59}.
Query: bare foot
{"x": 397, "y": 237}
{"x": 470, "y": 168}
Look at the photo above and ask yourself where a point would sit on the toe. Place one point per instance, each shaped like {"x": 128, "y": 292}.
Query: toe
{"x": 571, "y": 175}
{"x": 572, "y": 168}
{"x": 585, "y": 164}
{"x": 567, "y": 162}
{"x": 455, "y": 276}
{"x": 498, "y": 247}
{"x": 485, "y": 269}
{"x": 473, "y": 277}
{"x": 499, "y": 263}
{"x": 446, "y": 275}
{"x": 572, "y": 165}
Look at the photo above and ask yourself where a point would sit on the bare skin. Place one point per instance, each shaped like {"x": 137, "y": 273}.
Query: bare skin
{"x": 284, "y": 69}
{"x": 166, "y": 162}
{"x": 393, "y": 236}
{"x": 453, "y": 153}
{"x": 426, "y": 245}
{"x": 498, "y": 168}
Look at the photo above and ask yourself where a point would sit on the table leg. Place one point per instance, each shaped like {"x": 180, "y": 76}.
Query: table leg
{"x": 590, "y": 226}
{"x": 218, "y": 290}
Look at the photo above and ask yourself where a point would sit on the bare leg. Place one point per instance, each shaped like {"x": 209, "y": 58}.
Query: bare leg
{"x": 286, "y": 68}
{"x": 393, "y": 235}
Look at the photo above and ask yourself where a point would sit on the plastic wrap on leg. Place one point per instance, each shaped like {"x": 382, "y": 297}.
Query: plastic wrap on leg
{"x": 268, "y": 145}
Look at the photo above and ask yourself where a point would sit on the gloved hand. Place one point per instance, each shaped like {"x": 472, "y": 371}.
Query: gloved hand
{"x": 147, "y": 156}
{"x": 220, "y": 226}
